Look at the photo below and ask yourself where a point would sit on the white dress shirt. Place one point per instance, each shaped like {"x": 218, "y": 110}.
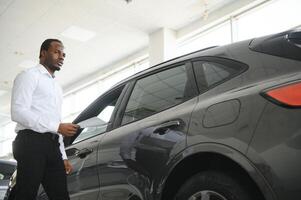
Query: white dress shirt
{"x": 36, "y": 102}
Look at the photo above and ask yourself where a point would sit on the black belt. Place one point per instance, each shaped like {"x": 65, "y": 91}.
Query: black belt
{"x": 47, "y": 134}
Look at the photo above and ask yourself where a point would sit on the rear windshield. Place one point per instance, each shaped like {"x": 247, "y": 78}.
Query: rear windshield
{"x": 286, "y": 44}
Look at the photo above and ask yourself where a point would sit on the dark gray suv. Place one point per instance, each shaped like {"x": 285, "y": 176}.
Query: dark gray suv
{"x": 222, "y": 123}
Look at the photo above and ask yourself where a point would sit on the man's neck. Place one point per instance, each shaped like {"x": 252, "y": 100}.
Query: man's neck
{"x": 49, "y": 70}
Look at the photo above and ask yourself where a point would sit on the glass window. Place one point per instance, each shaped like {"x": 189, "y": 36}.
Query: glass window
{"x": 157, "y": 92}
{"x": 141, "y": 66}
{"x": 89, "y": 93}
{"x": 272, "y": 17}
{"x": 209, "y": 74}
{"x": 214, "y": 73}
{"x": 7, "y": 135}
{"x": 95, "y": 119}
{"x": 219, "y": 35}
{"x": 96, "y": 125}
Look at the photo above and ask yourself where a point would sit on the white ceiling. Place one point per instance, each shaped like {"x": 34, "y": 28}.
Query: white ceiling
{"x": 121, "y": 28}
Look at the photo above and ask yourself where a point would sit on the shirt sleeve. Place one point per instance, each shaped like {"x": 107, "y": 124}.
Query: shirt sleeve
{"x": 23, "y": 89}
{"x": 62, "y": 147}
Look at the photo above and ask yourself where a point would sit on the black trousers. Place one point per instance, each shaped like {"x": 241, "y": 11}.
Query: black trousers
{"x": 39, "y": 161}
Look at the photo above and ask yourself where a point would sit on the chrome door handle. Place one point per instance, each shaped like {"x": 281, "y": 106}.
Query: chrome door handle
{"x": 162, "y": 128}
{"x": 84, "y": 152}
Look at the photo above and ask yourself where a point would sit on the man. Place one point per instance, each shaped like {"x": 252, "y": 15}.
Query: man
{"x": 36, "y": 108}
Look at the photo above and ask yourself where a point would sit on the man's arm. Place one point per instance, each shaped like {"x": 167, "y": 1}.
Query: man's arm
{"x": 62, "y": 147}
{"x": 68, "y": 166}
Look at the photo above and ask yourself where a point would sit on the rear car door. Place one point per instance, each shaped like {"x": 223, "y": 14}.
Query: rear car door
{"x": 148, "y": 132}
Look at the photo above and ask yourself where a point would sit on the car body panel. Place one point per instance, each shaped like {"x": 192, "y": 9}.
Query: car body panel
{"x": 133, "y": 154}
{"x": 227, "y": 152}
{"x": 83, "y": 182}
{"x": 275, "y": 147}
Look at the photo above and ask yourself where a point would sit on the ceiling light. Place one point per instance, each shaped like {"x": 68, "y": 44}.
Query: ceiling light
{"x": 27, "y": 64}
{"x": 77, "y": 33}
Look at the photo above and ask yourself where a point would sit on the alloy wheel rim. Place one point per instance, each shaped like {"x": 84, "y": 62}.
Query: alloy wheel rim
{"x": 207, "y": 195}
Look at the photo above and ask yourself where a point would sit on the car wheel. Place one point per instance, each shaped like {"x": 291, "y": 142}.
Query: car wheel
{"x": 213, "y": 185}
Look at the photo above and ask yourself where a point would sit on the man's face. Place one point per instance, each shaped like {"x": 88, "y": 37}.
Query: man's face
{"x": 54, "y": 56}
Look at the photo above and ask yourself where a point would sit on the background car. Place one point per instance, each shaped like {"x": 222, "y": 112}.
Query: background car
{"x": 7, "y": 168}
{"x": 222, "y": 123}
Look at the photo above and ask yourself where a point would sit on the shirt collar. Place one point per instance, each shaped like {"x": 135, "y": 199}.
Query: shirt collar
{"x": 43, "y": 70}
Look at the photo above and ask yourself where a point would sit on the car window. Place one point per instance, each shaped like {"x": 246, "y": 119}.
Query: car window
{"x": 209, "y": 74}
{"x": 97, "y": 127}
{"x": 157, "y": 92}
{"x": 96, "y": 118}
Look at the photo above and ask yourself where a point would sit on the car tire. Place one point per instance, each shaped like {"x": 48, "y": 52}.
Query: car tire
{"x": 213, "y": 185}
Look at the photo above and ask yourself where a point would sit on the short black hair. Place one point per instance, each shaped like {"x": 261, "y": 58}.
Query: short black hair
{"x": 46, "y": 44}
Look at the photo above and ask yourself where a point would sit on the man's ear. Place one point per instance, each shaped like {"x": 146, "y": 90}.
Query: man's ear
{"x": 43, "y": 53}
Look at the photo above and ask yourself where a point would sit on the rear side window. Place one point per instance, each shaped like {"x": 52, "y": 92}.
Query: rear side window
{"x": 158, "y": 92}
{"x": 210, "y": 73}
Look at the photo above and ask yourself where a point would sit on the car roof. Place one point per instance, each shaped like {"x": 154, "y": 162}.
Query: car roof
{"x": 168, "y": 62}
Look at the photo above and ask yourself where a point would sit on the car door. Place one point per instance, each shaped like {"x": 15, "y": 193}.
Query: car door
{"x": 83, "y": 182}
{"x": 147, "y": 133}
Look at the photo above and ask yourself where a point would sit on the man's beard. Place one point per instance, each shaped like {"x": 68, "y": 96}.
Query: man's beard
{"x": 55, "y": 68}
{"x": 52, "y": 67}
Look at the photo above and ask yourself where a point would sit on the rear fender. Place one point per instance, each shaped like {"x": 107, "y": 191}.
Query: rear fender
{"x": 228, "y": 153}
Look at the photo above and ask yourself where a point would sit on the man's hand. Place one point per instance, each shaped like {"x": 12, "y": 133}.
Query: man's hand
{"x": 68, "y": 166}
{"x": 67, "y": 129}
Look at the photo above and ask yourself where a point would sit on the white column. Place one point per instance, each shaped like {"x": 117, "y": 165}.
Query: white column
{"x": 162, "y": 46}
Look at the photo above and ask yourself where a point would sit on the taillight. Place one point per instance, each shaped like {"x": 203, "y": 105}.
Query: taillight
{"x": 287, "y": 95}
